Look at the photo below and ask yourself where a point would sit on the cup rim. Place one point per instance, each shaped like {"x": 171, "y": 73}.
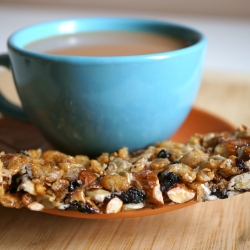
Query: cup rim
{"x": 19, "y": 39}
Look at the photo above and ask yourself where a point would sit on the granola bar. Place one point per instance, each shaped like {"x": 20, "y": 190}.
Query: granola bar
{"x": 208, "y": 167}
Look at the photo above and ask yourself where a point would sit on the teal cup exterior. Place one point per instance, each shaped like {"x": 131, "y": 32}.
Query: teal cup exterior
{"x": 89, "y": 105}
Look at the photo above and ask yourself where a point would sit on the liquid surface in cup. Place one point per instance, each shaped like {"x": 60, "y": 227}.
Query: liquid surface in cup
{"x": 108, "y": 44}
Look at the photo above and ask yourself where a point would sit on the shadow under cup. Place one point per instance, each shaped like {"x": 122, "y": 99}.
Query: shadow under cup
{"x": 94, "y": 104}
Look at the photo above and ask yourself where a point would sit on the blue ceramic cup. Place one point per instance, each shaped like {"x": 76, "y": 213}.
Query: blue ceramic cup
{"x": 94, "y": 104}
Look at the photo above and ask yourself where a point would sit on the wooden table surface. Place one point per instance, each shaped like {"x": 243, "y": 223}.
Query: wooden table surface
{"x": 221, "y": 224}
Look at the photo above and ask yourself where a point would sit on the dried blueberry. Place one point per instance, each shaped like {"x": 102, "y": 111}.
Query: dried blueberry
{"x": 220, "y": 194}
{"x": 133, "y": 195}
{"x": 164, "y": 154}
{"x": 73, "y": 184}
{"x": 240, "y": 164}
{"x": 15, "y": 182}
{"x": 167, "y": 179}
{"x": 83, "y": 208}
{"x": 74, "y": 205}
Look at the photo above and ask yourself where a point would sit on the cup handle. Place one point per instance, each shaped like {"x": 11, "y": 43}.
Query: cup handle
{"x": 6, "y": 107}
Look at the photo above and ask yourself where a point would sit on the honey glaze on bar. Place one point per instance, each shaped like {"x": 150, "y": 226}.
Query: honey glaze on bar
{"x": 110, "y": 43}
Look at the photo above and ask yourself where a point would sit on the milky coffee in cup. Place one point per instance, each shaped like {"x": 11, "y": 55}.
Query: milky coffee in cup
{"x": 108, "y": 43}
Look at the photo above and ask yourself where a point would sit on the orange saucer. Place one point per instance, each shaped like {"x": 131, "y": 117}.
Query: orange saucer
{"x": 16, "y": 135}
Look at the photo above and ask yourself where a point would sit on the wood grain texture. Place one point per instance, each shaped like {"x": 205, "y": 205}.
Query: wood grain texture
{"x": 217, "y": 225}
{"x": 226, "y": 95}
{"x": 222, "y": 224}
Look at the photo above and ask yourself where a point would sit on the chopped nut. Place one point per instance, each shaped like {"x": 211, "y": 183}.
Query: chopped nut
{"x": 78, "y": 195}
{"x": 159, "y": 164}
{"x": 229, "y": 147}
{"x": 92, "y": 206}
{"x": 104, "y": 158}
{"x": 228, "y": 168}
{"x": 97, "y": 195}
{"x": 155, "y": 195}
{"x": 180, "y": 194}
{"x": 34, "y": 153}
{"x": 142, "y": 154}
{"x": 68, "y": 166}
{"x": 114, "y": 205}
{"x": 117, "y": 165}
{"x": 15, "y": 163}
{"x": 194, "y": 157}
{"x": 54, "y": 176}
{"x": 10, "y": 200}
{"x": 27, "y": 199}
{"x": 194, "y": 185}
{"x": 114, "y": 182}
{"x": 149, "y": 183}
{"x": 35, "y": 206}
{"x": 54, "y": 157}
{"x": 28, "y": 186}
{"x": 240, "y": 182}
{"x": 40, "y": 189}
{"x": 214, "y": 162}
{"x": 40, "y": 170}
{"x": 205, "y": 175}
{"x": 60, "y": 185}
{"x": 83, "y": 160}
{"x": 139, "y": 164}
{"x": 123, "y": 153}
{"x": 195, "y": 140}
{"x": 203, "y": 192}
{"x": 87, "y": 177}
{"x": 132, "y": 206}
{"x": 209, "y": 140}
{"x": 96, "y": 167}
{"x": 211, "y": 198}
{"x": 128, "y": 176}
